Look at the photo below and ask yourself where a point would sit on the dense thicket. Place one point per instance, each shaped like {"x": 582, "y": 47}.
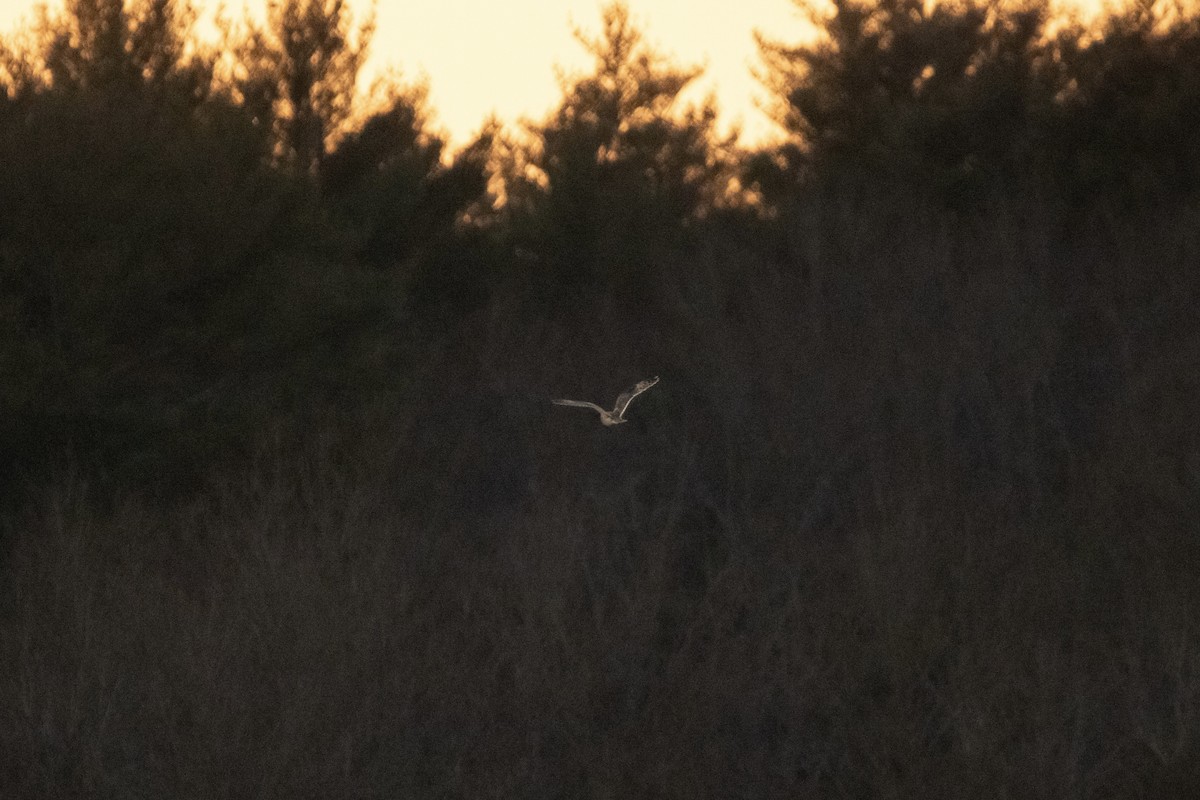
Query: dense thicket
{"x": 971, "y": 98}
{"x": 912, "y": 512}
{"x": 193, "y": 246}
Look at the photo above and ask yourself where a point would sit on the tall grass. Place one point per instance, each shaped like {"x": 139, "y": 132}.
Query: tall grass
{"x": 913, "y": 513}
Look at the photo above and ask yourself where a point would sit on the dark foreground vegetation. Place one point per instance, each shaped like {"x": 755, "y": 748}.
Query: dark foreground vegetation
{"x": 914, "y": 511}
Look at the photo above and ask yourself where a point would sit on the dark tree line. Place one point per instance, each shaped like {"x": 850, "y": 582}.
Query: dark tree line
{"x": 970, "y": 98}
{"x": 193, "y": 236}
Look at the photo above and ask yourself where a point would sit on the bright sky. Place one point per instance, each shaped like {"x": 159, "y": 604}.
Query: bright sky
{"x": 484, "y": 56}
{"x": 519, "y": 42}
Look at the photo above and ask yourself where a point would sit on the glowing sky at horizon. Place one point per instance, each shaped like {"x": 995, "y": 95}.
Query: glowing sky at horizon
{"x": 482, "y": 57}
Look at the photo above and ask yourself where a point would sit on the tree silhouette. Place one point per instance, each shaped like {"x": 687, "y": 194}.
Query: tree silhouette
{"x": 113, "y": 46}
{"x": 971, "y": 98}
{"x": 148, "y": 254}
{"x": 305, "y": 62}
{"x": 387, "y": 180}
{"x": 943, "y": 92}
{"x": 183, "y": 249}
{"x": 1129, "y": 123}
{"x": 618, "y": 169}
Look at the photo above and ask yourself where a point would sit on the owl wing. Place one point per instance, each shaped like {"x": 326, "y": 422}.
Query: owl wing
{"x": 626, "y": 398}
{"x": 579, "y": 404}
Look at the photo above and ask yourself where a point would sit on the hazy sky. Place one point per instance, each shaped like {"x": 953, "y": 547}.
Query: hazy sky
{"x": 499, "y": 55}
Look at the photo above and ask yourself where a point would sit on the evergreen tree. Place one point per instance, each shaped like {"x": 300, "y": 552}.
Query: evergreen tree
{"x": 182, "y": 250}
{"x": 305, "y": 63}
{"x": 618, "y": 171}
{"x": 943, "y": 93}
{"x": 387, "y": 181}
{"x": 118, "y": 48}
{"x": 1129, "y": 125}
{"x": 976, "y": 97}
{"x": 140, "y": 237}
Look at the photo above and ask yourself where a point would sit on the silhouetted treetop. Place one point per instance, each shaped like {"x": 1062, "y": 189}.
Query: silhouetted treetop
{"x": 972, "y": 96}
{"x": 180, "y": 244}
{"x": 909, "y": 87}
{"x": 388, "y": 178}
{"x": 619, "y": 164}
{"x": 123, "y": 47}
{"x": 305, "y": 63}
{"x": 1130, "y": 105}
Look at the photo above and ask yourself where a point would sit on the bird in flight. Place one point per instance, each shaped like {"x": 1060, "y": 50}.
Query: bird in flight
{"x": 617, "y": 415}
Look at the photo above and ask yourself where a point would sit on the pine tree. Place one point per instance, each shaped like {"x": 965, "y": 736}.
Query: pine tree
{"x": 618, "y": 170}
{"x": 305, "y": 62}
